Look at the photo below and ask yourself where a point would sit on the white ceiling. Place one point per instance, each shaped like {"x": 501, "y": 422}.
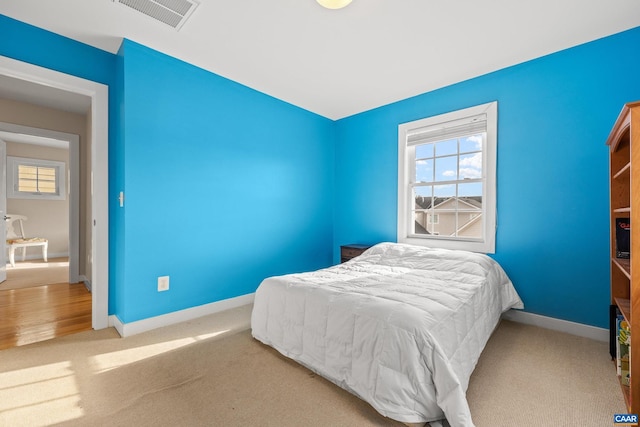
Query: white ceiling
{"x": 46, "y": 96}
{"x": 340, "y": 62}
{"x": 22, "y": 138}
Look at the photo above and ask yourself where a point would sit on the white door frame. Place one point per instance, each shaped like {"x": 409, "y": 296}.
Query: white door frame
{"x": 3, "y": 211}
{"x": 74, "y": 187}
{"x": 99, "y": 94}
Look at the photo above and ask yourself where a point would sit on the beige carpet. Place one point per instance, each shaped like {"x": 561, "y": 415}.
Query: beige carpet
{"x": 210, "y": 372}
{"x": 27, "y": 274}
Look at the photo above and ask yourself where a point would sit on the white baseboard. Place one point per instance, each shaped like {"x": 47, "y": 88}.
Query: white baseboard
{"x": 87, "y": 283}
{"x": 115, "y": 322}
{"x": 139, "y": 326}
{"x": 573, "y": 328}
{"x": 38, "y": 255}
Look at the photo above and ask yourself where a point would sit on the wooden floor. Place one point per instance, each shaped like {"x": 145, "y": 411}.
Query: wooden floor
{"x": 40, "y": 313}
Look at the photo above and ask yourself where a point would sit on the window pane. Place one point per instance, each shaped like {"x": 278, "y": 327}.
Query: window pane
{"x": 422, "y": 197}
{"x": 47, "y": 173}
{"x": 424, "y": 170}
{"x": 47, "y": 186}
{"x": 424, "y": 151}
{"x": 471, "y": 143}
{"x": 470, "y": 166}
{"x": 446, "y": 168}
{"x": 27, "y": 172}
{"x": 446, "y": 148}
{"x": 444, "y": 191}
{"x": 29, "y": 186}
{"x": 470, "y": 189}
{"x": 469, "y": 225}
{"x": 420, "y": 225}
{"x": 444, "y": 207}
{"x": 470, "y": 210}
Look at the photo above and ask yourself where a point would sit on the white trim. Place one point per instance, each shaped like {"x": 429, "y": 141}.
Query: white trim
{"x": 87, "y": 283}
{"x": 100, "y": 205}
{"x": 115, "y": 322}
{"x": 99, "y": 94}
{"x": 144, "y": 325}
{"x": 74, "y": 208}
{"x": 50, "y": 255}
{"x": 573, "y": 328}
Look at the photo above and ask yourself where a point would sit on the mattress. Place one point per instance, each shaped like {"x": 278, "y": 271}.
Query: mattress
{"x": 400, "y": 326}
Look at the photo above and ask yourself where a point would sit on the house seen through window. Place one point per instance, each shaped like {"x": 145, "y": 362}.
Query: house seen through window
{"x": 448, "y": 184}
{"x": 446, "y": 181}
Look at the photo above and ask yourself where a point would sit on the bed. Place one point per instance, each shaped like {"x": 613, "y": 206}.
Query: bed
{"x": 400, "y": 326}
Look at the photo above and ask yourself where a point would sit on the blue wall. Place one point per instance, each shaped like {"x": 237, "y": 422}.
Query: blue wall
{"x": 554, "y": 115}
{"x": 273, "y": 188}
{"x": 224, "y": 186}
{"x": 31, "y": 44}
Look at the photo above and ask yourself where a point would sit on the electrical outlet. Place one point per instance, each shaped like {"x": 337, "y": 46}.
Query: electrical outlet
{"x": 163, "y": 283}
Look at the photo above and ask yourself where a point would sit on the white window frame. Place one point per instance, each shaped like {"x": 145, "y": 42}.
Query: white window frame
{"x": 406, "y": 166}
{"x": 12, "y": 178}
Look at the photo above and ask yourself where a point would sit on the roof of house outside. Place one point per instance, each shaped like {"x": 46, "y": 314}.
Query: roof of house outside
{"x": 426, "y": 202}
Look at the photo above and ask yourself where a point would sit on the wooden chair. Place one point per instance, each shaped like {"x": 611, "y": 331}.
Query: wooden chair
{"x": 16, "y": 239}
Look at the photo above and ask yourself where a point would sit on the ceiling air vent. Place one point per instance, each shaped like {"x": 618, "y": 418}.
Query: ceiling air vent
{"x": 174, "y": 13}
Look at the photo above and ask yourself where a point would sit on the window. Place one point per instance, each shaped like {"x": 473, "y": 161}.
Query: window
{"x": 447, "y": 180}
{"x": 35, "y": 179}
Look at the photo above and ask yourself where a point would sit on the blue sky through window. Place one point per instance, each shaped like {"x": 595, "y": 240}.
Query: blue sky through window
{"x": 452, "y": 160}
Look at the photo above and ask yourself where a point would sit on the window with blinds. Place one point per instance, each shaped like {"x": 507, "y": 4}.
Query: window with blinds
{"x": 447, "y": 171}
{"x": 35, "y": 178}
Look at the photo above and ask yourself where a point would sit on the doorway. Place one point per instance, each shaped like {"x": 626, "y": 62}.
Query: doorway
{"x": 41, "y": 297}
{"x": 52, "y": 86}
{"x": 47, "y": 217}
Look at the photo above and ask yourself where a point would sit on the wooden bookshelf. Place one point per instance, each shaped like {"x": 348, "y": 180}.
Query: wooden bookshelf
{"x": 624, "y": 265}
{"x": 624, "y": 157}
{"x": 625, "y": 170}
{"x": 624, "y": 305}
{"x": 626, "y": 393}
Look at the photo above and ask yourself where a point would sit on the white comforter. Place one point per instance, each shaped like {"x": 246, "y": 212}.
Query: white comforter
{"x": 401, "y": 326}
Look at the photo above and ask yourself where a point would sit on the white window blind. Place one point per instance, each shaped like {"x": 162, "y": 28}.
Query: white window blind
{"x": 452, "y": 129}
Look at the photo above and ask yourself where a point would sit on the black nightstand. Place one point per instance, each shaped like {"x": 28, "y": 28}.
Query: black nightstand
{"x": 351, "y": 251}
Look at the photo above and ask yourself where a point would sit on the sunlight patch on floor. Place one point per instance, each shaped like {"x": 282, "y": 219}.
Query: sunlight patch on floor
{"x": 26, "y": 394}
{"x": 107, "y": 361}
{"x": 36, "y": 333}
{"x": 27, "y": 265}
